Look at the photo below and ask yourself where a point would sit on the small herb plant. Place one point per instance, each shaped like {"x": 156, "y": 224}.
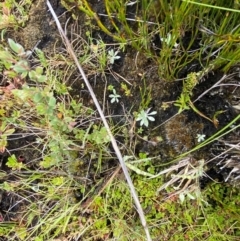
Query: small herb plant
{"x": 185, "y": 97}
{"x": 144, "y": 117}
{"x": 125, "y": 88}
{"x": 114, "y": 96}
{"x": 16, "y": 64}
{"x": 14, "y": 14}
{"x": 46, "y": 110}
{"x": 112, "y": 56}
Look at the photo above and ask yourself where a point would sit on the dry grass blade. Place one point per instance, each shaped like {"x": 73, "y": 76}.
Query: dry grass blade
{"x": 113, "y": 141}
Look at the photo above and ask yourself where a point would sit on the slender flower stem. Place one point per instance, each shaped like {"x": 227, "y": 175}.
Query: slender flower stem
{"x": 113, "y": 141}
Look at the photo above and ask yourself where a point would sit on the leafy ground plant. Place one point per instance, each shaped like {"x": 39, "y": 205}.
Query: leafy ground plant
{"x": 13, "y": 14}
{"x": 144, "y": 117}
{"x": 114, "y": 96}
{"x": 59, "y": 176}
{"x": 173, "y": 22}
{"x": 51, "y": 120}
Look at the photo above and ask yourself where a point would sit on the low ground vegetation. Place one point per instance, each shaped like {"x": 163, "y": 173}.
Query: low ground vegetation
{"x": 167, "y": 77}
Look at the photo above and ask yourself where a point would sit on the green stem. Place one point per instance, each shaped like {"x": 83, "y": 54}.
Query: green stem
{"x": 94, "y": 15}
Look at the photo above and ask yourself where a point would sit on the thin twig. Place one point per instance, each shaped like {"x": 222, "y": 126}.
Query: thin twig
{"x": 113, "y": 141}
{"x": 214, "y": 86}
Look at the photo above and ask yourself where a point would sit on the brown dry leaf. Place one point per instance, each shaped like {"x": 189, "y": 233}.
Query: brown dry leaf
{"x": 2, "y": 149}
{"x": 71, "y": 125}
{"x": 5, "y": 9}
{"x": 59, "y": 115}
{"x": 10, "y": 87}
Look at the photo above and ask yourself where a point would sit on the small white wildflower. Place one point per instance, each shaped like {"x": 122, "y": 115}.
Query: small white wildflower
{"x": 168, "y": 40}
{"x": 114, "y": 96}
{"x": 144, "y": 117}
{"x": 200, "y": 137}
{"x": 112, "y": 56}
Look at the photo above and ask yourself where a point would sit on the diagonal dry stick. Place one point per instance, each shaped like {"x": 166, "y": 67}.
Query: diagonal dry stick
{"x": 113, "y": 141}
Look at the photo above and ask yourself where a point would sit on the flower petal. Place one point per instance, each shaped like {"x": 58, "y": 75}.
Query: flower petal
{"x": 153, "y": 113}
{"x": 151, "y": 118}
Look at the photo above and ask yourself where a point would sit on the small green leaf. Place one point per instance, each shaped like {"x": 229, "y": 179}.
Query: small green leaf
{"x": 17, "y": 48}
{"x": 37, "y": 97}
{"x": 39, "y": 70}
{"x": 7, "y": 187}
{"x": 21, "y": 66}
{"x": 41, "y": 78}
{"x": 13, "y": 163}
{"x": 22, "y": 94}
{"x": 138, "y": 171}
{"x": 47, "y": 162}
{"x": 52, "y": 101}
{"x": 35, "y": 76}
{"x": 24, "y": 75}
{"x": 6, "y": 56}
{"x": 32, "y": 75}
{"x": 9, "y": 132}
{"x": 38, "y": 238}
{"x": 21, "y": 232}
{"x": 41, "y": 57}
{"x": 57, "y": 181}
{"x": 2, "y": 112}
{"x": 3, "y": 143}
{"x": 3, "y": 126}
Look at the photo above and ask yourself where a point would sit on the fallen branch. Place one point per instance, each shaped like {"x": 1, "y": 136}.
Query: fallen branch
{"x": 113, "y": 141}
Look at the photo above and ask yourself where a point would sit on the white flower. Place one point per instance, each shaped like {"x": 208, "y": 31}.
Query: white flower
{"x": 114, "y": 97}
{"x": 200, "y": 137}
{"x": 144, "y": 117}
{"x": 112, "y": 56}
{"x": 168, "y": 40}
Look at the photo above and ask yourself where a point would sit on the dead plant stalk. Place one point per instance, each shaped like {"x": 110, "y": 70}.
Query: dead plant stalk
{"x": 113, "y": 141}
